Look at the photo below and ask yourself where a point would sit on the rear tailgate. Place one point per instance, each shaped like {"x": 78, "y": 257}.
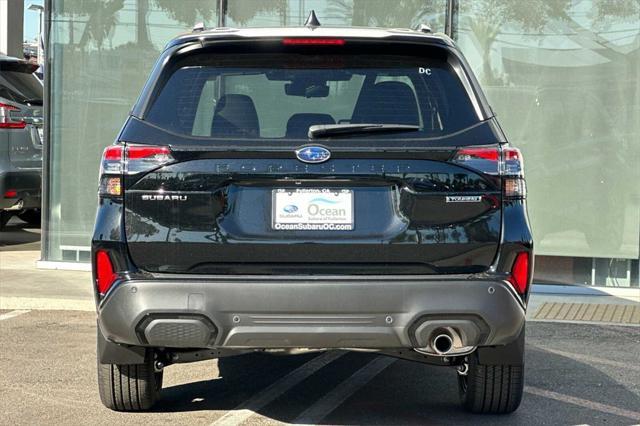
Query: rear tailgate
{"x": 21, "y": 116}
{"x": 397, "y": 204}
{"x": 401, "y": 216}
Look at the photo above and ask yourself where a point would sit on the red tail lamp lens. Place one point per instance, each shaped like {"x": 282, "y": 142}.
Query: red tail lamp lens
{"x": 519, "y": 278}
{"x": 466, "y": 154}
{"x": 313, "y": 41}
{"x": 105, "y": 276}
{"x": 10, "y": 193}
{"x": 6, "y": 121}
{"x": 113, "y": 153}
{"x": 484, "y": 159}
{"x": 137, "y": 152}
{"x": 13, "y": 125}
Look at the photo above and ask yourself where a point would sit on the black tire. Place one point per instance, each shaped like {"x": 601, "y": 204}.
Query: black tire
{"x": 134, "y": 387}
{"x": 32, "y": 216}
{"x": 491, "y": 389}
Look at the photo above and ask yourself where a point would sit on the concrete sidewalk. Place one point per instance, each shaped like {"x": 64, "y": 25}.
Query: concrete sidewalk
{"x": 23, "y": 286}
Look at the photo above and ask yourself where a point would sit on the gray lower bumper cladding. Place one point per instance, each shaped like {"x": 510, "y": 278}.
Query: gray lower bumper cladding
{"x": 366, "y": 313}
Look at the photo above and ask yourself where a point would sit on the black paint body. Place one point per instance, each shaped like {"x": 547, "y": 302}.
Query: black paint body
{"x": 204, "y": 222}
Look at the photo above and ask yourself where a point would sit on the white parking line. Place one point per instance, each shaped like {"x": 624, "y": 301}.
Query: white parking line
{"x": 590, "y": 359}
{"x": 337, "y": 396}
{"x": 47, "y": 304}
{"x": 266, "y": 396}
{"x": 13, "y": 314}
{"x": 584, "y": 403}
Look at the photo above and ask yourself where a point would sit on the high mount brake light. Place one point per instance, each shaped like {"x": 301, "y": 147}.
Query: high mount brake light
{"x": 519, "y": 277}
{"x": 118, "y": 160}
{"x": 312, "y": 41}
{"x": 8, "y": 122}
{"x": 105, "y": 275}
{"x": 506, "y": 162}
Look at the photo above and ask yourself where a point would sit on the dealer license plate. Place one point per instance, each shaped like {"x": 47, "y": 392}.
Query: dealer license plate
{"x": 312, "y": 209}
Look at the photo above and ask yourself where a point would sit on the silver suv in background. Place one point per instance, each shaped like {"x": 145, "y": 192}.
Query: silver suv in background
{"x": 21, "y": 140}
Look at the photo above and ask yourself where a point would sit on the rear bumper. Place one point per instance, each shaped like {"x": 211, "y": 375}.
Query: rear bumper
{"x": 371, "y": 312}
{"x": 27, "y": 184}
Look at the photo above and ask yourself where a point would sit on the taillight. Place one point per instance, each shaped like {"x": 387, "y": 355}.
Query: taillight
{"x": 105, "y": 275}
{"x": 494, "y": 160}
{"x": 512, "y": 168}
{"x": 119, "y": 160}
{"x": 519, "y": 277}
{"x": 10, "y": 193}
{"x": 313, "y": 41}
{"x": 484, "y": 159}
{"x": 514, "y": 188}
{"x": 141, "y": 158}
{"x": 7, "y": 121}
{"x": 512, "y": 163}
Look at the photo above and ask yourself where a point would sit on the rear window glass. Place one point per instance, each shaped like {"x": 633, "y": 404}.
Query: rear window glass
{"x": 260, "y": 96}
{"x": 18, "y": 84}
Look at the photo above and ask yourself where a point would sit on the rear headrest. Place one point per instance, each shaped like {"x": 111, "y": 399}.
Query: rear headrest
{"x": 298, "y": 125}
{"x": 390, "y": 102}
{"x": 235, "y": 116}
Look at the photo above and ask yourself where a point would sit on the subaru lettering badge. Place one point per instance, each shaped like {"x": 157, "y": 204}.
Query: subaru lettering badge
{"x": 313, "y": 154}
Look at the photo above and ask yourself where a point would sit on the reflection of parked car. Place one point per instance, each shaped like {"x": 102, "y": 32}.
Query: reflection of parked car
{"x": 21, "y": 138}
{"x": 318, "y": 188}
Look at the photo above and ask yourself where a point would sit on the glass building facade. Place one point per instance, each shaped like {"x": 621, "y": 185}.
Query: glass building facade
{"x": 563, "y": 76}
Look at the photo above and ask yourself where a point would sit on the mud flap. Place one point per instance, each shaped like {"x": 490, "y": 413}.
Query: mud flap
{"x": 509, "y": 354}
{"x": 113, "y": 353}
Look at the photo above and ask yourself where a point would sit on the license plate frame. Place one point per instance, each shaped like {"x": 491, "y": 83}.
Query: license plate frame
{"x": 332, "y": 210}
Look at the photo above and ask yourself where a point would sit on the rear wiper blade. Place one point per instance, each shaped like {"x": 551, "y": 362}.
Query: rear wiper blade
{"x": 324, "y": 130}
{"x": 32, "y": 101}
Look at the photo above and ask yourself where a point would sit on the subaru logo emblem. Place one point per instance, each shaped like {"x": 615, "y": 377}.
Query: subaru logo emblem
{"x": 313, "y": 154}
{"x": 291, "y": 208}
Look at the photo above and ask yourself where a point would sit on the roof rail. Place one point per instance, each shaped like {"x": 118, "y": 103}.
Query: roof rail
{"x": 423, "y": 28}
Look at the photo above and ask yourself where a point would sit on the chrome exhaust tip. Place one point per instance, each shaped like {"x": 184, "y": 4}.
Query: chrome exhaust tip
{"x": 442, "y": 343}
{"x": 17, "y": 206}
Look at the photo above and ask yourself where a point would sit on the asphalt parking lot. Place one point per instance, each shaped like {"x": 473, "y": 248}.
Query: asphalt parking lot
{"x": 575, "y": 374}
{"x": 19, "y": 236}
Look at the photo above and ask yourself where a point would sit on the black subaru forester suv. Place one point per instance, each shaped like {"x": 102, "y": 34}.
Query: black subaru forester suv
{"x": 318, "y": 188}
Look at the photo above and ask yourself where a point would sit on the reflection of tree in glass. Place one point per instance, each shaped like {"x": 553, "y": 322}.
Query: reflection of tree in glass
{"x": 141, "y": 228}
{"x": 243, "y": 11}
{"x": 376, "y": 13}
{"x": 142, "y": 29}
{"x": 611, "y": 12}
{"x": 189, "y": 12}
{"x": 607, "y": 11}
{"x": 71, "y": 10}
{"x": 487, "y": 18}
{"x": 102, "y": 19}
